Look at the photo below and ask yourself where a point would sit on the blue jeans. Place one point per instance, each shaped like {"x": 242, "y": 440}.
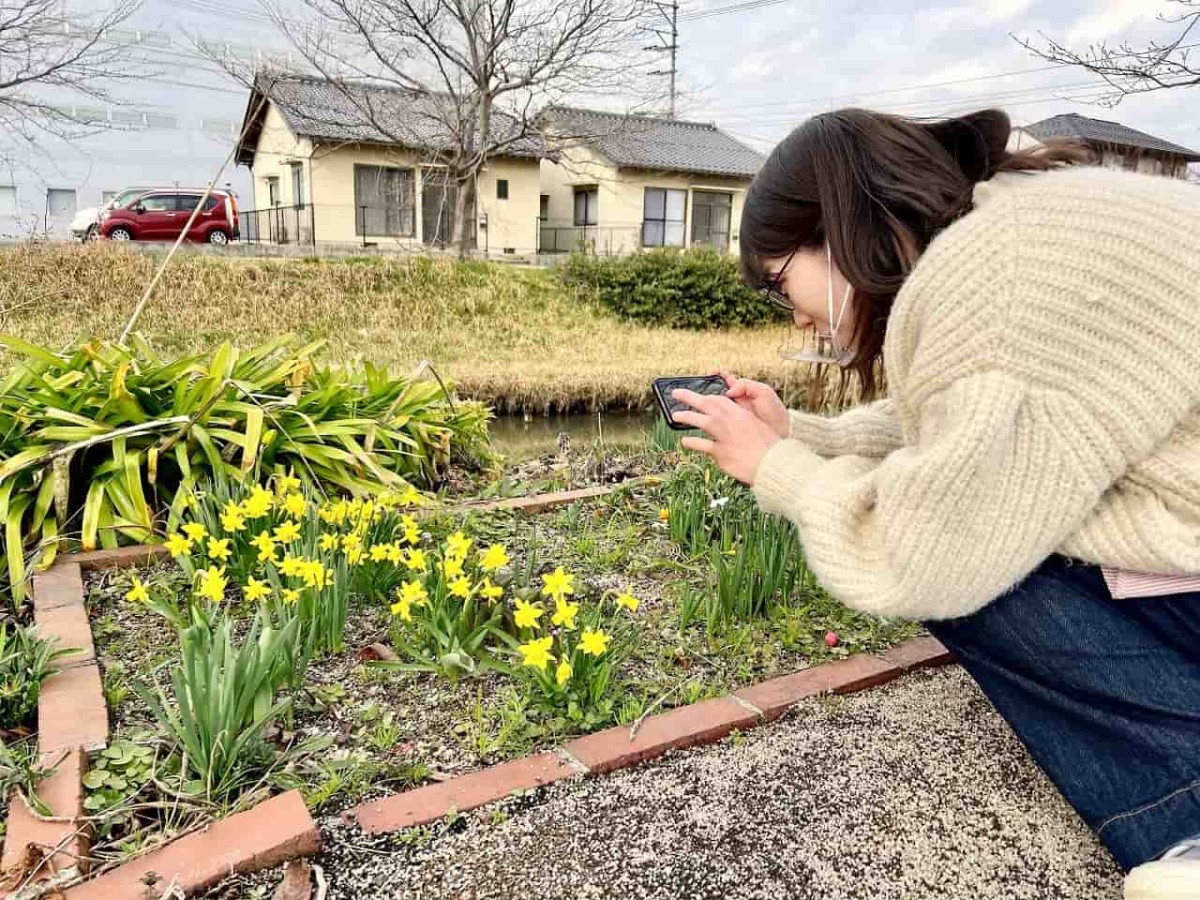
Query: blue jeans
{"x": 1104, "y": 693}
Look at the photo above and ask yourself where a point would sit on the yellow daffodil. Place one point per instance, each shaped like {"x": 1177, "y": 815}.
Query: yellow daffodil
{"x": 195, "y": 531}
{"x": 233, "y": 520}
{"x": 394, "y": 553}
{"x": 490, "y": 592}
{"x": 355, "y": 555}
{"x": 315, "y": 575}
{"x": 416, "y": 561}
{"x": 379, "y": 553}
{"x": 287, "y": 532}
{"x": 403, "y": 609}
{"x": 414, "y": 592}
{"x": 527, "y": 614}
{"x": 494, "y": 558}
{"x": 664, "y": 515}
{"x": 292, "y": 565}
{"x": 594, "y": 643}
{"x": 351, "y": 541}
{"x": 628, "y": 601}
{"x": 536, "y": 652}
{"x": 460, "y": 587}
{"x": 286, "y": 484}
{"x": 295, "y": 505}
{"x": 212, "y": 584}
{"x": 367, "y": 512}
{"x": 412, "y": 535}
{"x": 258, "y": 504}
{"x": 452, "y": 566}
{"x": 411, "y": 497}
{"x": 266, "y": 547}
{"x": 178, "y": 545}
{"x": 564, "y": 613}
{"x": 563, "y": 673}
{"x": 256, "y": 590}
{"x": 290, "y": 596}
{"x": 458, "y": 544}
{"x": 218, "y": 549}
{"x": 330, "y": 541}
{"x": 138, "y": 593}
{"x": 558, "y": 584}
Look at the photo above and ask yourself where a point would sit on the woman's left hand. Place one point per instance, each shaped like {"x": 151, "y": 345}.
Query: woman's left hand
{"x": 738, "y": 438}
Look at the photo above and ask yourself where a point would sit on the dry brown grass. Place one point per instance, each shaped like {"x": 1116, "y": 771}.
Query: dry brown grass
{"x": 507, "y": 335}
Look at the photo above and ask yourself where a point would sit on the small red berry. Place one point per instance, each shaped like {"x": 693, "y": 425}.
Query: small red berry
{"x": 831, "y": 639}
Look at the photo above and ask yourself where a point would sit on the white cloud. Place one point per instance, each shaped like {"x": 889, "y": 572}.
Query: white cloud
{"x": 749, "y": 69}
{"x": 1113, "y": 19}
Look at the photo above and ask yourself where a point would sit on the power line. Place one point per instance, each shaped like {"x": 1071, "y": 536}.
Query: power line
{"x": 746, "y": 6}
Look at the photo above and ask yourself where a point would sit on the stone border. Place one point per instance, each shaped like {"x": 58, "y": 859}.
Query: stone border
{"x": 72, "y": 720}
{"x": 620, "y": 747}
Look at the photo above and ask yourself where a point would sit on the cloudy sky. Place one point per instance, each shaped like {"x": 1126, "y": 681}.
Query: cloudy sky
{"x": 759, "y": 72}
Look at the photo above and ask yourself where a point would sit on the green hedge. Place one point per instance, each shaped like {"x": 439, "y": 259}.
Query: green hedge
{"x": 696, "y": 288}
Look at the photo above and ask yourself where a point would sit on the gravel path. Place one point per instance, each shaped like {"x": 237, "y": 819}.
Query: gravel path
{"x": 917, "y": 790}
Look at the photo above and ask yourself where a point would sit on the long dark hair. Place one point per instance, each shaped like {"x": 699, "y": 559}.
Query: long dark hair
{"x": 879, "y": 188}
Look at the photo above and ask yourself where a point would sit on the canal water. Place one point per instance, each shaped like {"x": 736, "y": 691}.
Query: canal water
{"x": 519, "y": 439}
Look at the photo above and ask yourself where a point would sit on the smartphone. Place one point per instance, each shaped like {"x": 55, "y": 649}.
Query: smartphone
{"x": 701, "y": 384}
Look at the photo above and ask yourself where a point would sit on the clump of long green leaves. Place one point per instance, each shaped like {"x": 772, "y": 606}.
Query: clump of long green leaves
{"x": 223, "y": 693}
{"x": 755, "y": 561}
{"x": 25, "y": 662}
{"x": 108, "y": 440}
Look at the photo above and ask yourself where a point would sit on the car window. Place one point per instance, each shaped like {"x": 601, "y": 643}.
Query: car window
{"x": 210, "y": 204}
{"x": 126, "y": 197}
{"x": 159, "y": 202}
{"x": 187, "y": 202}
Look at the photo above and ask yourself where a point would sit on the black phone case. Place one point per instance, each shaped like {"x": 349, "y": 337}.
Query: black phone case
{"x": 662, "y": 388}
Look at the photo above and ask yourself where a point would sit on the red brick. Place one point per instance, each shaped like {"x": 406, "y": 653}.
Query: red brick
{"x": 72, "y": 712}
{"x": 433, "y": 801}
{"x": 297, "y": 881}
{"x": 31, "y": 838}
{"x": 919, "y": 653}
{"x": 697, "y": 723}
{"x": 778, "y": 695}
{"x": 276, "y": 830}
{"x": 547, "y": 501}
{"x": 120, "y": 558}
{"x": 70, "y": 628}
{"x": 60, "y": 585}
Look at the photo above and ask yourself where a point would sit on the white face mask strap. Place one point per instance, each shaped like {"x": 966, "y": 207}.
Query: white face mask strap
{"x": 835, "y": 327}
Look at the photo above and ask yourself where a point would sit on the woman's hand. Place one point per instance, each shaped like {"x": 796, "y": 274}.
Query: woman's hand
{"x": 739, "y": 438}
{"x": 761, "y": 400}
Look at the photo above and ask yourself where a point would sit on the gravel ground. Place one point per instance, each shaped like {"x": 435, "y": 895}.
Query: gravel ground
{"x": 914, "y": 790}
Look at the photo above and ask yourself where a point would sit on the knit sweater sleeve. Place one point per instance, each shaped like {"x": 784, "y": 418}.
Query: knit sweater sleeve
{"x": 995, "y": 481}
{"x": 871, "y": 430}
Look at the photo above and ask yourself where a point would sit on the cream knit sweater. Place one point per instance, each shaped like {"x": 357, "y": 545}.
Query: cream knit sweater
{"x": 1043, "y": 364}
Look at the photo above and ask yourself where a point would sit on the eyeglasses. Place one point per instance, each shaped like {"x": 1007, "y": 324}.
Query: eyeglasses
{"x": 772, "y": 293}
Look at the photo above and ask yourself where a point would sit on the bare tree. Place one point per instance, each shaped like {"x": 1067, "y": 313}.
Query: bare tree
{"x": 465, "y": 80}
{"x": 1136, "y": 70}
{"x": 49, "y": 53}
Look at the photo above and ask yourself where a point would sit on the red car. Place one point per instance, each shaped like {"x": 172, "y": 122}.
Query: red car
{"x": 160, "y": 215}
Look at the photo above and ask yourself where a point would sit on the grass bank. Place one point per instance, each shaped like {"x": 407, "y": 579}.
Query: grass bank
{"x": 508, "y": 335}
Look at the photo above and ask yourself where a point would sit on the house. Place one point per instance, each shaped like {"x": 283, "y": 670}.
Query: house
{"x": 1116, "y": 146}
{"x": 619, "y": 182}
{"x": 324, "y": 173}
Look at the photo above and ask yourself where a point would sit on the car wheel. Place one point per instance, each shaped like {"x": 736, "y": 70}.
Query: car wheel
{"x": 218, "y": 237}
{"x": 90, "y": 234}
{"x": 120, "y": 234}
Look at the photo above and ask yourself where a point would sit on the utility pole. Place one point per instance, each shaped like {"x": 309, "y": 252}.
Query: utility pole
{"x": 670, "y": 43}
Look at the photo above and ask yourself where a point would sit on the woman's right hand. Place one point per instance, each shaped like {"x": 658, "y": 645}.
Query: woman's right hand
{"x": 761, "y": 400}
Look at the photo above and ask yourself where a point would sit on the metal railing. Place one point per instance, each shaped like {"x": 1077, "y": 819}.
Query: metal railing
{"x": 278, "y": 225}
{"x": 606, "y": 240}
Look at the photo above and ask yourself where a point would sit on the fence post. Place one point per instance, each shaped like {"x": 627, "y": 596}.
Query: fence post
{"x": 364, "y": 225}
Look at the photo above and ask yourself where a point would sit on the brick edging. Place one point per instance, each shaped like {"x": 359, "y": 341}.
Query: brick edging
{"x": 616, "y": 748}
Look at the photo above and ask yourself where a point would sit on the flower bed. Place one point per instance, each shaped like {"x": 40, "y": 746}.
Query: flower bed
{"x": 587, "y": 631}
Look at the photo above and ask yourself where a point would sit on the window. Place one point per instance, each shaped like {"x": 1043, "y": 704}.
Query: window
{"x": 384, "y": 201}
{"x": 159, "y": 203}
{"x": 8, "y": 200}
{"x": 297, "y": 185}
{"x": 662, "y": 222}
{"x": 210, "y": 204}
{"x": 106, "y": 197}
{"x": 502, "y": 189}
{"x": 186, "y": 202}
{"x": 587, "y": 201}
{"x": 438, "y": 199}
{"x": 60, "y": 202}
{"x": 544, "y": 207}
{"x": 711, "y": 214}
{"x": 273, "y": 191}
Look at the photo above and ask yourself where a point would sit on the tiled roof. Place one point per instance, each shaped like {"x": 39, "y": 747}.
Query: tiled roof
{"x": 644, "y": 142}
{"x": 319, "y": 109}
{"x": 1073, "y": 125}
